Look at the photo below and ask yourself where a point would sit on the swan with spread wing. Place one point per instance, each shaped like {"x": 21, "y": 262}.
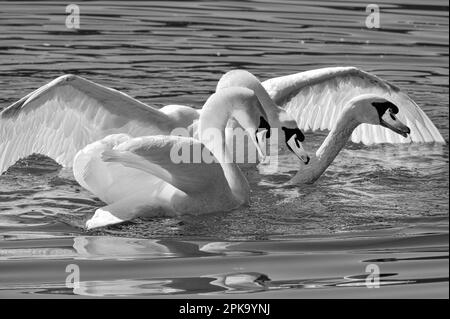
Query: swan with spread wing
{"x": 143, "y": 176}
{"x": 73, "y": 118}
{"x": 70, "y": 112}
{"x": 122, "y": 151}
{"x": 350, "y": 103}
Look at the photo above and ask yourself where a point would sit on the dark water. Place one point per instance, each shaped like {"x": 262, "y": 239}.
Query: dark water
{"x": 384, "y": 205}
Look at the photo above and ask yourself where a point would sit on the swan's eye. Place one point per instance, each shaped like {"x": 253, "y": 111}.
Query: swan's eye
{"x": 392, "y": 116}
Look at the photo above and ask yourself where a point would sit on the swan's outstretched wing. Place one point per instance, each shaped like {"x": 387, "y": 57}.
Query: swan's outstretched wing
{"x": 68, "y": 113}
{"x": 177, "y": 160}
{"x": 315, "y": 98}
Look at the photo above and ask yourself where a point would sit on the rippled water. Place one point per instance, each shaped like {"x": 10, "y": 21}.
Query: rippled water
{"x": 290, "y": 238}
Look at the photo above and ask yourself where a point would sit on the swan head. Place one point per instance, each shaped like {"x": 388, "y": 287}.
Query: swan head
{"x": 376, "y": 110}
{"x": 240, "y": 104}
{"x": 293, "y": 139}
{"x": 249, "y": 113}
{"x": 290, "y": 137}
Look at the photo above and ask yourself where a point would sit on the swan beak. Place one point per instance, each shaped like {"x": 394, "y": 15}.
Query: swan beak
{"x": 390, "y": 121}
{"x": 297, "y": 148}
{"x": 259, "y": 139}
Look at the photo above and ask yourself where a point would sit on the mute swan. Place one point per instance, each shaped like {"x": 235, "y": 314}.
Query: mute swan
{"x": 70, "y": 112}
{"x": 277, "y": 117}
{"x": 76, "y": 122}
{"x": 345, "y": 100}
{"x": 140, "y": 178}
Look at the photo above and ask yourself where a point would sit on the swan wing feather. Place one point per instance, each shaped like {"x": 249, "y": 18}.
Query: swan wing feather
{"x": 315, "y": 99}
{"x": 159, "y": 155}
{"x": 63, "y": 116}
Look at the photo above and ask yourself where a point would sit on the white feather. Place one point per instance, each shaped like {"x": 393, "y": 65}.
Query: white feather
{"x": 316, "y": 98}
{"x": 70, "y": 112}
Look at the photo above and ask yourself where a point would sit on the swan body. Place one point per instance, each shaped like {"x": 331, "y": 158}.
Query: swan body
{"x": 86, "y": 126}
{"x": 138, "y": 176}
{"x": 77, "y": 122}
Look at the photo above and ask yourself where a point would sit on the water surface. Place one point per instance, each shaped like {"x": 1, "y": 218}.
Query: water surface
{"x": 385, "y": 204}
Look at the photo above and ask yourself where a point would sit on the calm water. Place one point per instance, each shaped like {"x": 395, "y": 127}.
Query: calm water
{"x": 383, "y": 205}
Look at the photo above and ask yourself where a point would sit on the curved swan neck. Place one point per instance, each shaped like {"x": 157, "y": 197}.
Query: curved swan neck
{"x": 242, "y": 78}
{"x": 270, "y": 108}
{"x": 337, "y": 138}
{"x": 330, "y": 148}
{"x": 216, "y": 113}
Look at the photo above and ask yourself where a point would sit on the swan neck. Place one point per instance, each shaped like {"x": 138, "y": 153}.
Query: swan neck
{"x": 212, "y": 125}
{"x": 330, "y": 148}
{"x": 336, "y": 139}
{"x": 270, "y": 108}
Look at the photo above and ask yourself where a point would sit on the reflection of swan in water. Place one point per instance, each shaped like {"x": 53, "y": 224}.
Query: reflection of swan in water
{"x": 150, "y": 266}
{"x": 204, "y": 285}
{"x": 105, "y": 247}
{"x": 119, "y": 248}
{"x": 241, "y": 282}
{"x": 125, "y": 287}
{"x": 229, "y": 283}
{"x": 347, "y": 101}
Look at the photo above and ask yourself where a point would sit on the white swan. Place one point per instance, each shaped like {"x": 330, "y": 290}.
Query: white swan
{"x": 62, "y": 117}
{"x": 70, "y": 112}
{"x": 278, "y": 118}
{"x": 345, "y": 100}
{"x": 134, "y": 176}
{"x": 139, "y": 176}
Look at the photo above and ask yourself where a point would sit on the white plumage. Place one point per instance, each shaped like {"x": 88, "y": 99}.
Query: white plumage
{"x": 65, "y": 115}
{"x": 120, "y": 147}
{"x": 316, "y": 98}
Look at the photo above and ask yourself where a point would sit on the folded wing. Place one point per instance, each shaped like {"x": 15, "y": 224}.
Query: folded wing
{"x": 65, "y": 115}
{"x": 315, "y": 99}
{"x": 160, "y": 156}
